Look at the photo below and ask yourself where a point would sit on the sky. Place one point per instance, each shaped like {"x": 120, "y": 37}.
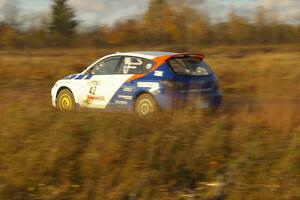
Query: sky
{"x": 110, "y": 11}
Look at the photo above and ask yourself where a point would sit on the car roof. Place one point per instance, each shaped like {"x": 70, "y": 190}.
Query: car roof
{"x": 146, "y": 54}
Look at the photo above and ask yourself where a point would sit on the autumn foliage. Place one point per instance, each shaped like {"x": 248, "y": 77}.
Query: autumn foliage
{"x": 164, "y": 22}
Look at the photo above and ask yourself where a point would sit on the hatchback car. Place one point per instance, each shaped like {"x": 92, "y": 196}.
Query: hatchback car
{"x": 143, "y": 82}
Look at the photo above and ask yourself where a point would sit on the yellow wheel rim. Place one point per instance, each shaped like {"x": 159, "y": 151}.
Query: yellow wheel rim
{"x": 65, "y": 102}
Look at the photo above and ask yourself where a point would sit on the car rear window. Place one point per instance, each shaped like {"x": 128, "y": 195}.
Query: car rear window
{"x": 192, "y": 66}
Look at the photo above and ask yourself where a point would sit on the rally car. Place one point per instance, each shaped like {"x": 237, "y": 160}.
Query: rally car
{"x": 143, "y": 82}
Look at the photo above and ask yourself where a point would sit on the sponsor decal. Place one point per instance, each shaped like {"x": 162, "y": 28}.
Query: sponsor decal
{"x": 91, "y": 98}
{"x": 125, "y": 97}
{"x": 121, "y": 102}
{"x": 147, "y": 84}
{"x": 94, "y": 82}
{"x": 158, "y": 73}
{"x": 127, "y": 89}
{"x": 153, "y": 86}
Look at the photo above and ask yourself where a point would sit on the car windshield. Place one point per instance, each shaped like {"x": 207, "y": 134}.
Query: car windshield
{"x": 189, "y": 66}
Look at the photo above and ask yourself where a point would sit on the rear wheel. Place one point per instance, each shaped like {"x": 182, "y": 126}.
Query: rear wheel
{"x": 65, "y": 100}
{"x": 145, "y": 106}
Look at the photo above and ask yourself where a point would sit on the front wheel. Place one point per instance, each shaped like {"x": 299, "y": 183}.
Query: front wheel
{"x": 145, "y": 106}
{"x": 65, "y": 100}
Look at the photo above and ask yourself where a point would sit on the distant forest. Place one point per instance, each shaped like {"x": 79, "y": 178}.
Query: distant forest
{"x": 163, "y": 23}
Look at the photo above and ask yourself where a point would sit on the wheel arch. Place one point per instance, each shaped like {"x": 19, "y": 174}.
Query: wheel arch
{"x": 142, "y": 93}
{"x": 68, "y": 89}
{"x": 64, "y": 88}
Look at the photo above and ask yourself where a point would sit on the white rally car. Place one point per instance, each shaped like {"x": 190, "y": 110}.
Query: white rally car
{"x": 143, "y": 82}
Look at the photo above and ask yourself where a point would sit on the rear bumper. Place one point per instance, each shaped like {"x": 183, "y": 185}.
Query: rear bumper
{"x": 196, "y": 100}
{"x": 215, "y": 99}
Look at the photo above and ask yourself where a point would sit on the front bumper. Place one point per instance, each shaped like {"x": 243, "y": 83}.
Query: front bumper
{"x": 53, "y": 96}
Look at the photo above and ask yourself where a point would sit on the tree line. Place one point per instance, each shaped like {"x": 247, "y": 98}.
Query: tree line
{"x": 163, "y": 23}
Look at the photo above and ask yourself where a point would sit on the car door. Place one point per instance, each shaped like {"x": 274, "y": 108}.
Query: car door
{"x": 104, "y": 83}
{"x": 133, "y": 68}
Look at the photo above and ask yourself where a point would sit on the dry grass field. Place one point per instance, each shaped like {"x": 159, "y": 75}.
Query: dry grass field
{"x": 248, "y": 149}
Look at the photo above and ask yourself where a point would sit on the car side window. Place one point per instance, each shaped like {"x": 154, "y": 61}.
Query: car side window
{"x": 106, "y": 67}
{"x": 135, "y": 65}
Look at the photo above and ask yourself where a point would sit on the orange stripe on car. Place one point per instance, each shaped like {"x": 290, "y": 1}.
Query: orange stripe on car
{"x": 159, "y": 61}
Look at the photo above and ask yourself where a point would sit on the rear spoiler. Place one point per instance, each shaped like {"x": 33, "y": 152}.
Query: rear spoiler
{"x": 182, "y": 55}
{"x": 163, "y": 59}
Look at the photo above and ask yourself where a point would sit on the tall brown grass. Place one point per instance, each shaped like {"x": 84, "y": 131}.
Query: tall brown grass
{"x": 248, "y": 149}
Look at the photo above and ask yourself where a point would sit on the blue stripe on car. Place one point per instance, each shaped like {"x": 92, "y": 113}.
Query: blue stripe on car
{"x": 89, "y": 77}
{"x": 70, "y": 77}
{"x": 80, "y": 77}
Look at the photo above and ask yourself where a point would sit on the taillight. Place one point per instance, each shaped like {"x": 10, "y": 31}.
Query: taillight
{"x": 170, "y": 84}
{"x": 215, "y": 85}
{"x": 167, "y": 83}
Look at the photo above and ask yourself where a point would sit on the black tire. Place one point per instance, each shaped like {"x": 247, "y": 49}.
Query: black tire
{"x": 65, "y": 100}
{"x": 145, "y": 106}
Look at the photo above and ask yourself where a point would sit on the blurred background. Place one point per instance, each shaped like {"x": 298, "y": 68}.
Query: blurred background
{"x": 248, "y": 149}
{"x": 180, "y": 23}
